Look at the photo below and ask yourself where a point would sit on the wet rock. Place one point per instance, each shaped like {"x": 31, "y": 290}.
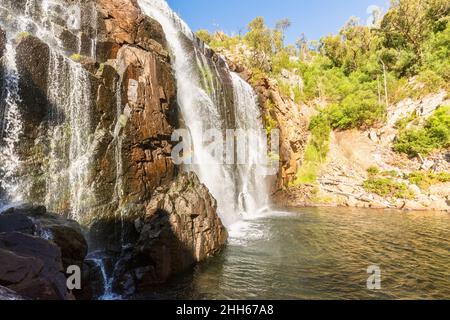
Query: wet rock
{"x": 32, "y": 60}
{"x": 2, "y": 42}
{"x": 414, "y": 206}
{"x": 32, "y": 267}
{"x": 34, "y": 220}
{"x": 7, "y": 294}
{"x": 122, "y": 22}
{"x": 180, "y": 227}
{"x": 92, "y": 285}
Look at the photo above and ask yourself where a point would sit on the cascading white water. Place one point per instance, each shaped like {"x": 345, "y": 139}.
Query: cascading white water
{"x": 253, "y": 196}
{"x": 71, "y": 146}
{"x": 68, "y": 162}
{"x": 236, "y": 188}
{"x": 122, "y": 116}
{"x": 108, "y": 294}
{"x": 10, "y": 127}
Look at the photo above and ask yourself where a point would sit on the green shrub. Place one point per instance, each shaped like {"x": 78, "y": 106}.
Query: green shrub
{"x": 414, "y": 142}
{"x": 270, "y": 124}
{"x": 389, "y": 174}
{"x": 403, "y": 123}
{"x": 316, "y": 151}
{"x": 204, "y": 35}
{"x": 425, "y": 179}
{"x": 437, "y": 53}
{"x": 387, "y": 187}
{"x": 430, "y": 82}
{"x": 320, "y": 136}
{"x": 281, "y": 61}
{"x": 358, "y": 110}
{"x": 435, "y": 135}
{"x": 373, "y": 171}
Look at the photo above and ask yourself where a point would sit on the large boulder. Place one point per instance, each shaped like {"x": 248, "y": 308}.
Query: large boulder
{"x": 36, "y": 248}
{"x": 180, "y": 227}
{"x": 64, "y": 233}
{"x": 32, "y": 267}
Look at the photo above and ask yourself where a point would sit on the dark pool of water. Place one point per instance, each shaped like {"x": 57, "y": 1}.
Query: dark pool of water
{"x": 325, "y": 254}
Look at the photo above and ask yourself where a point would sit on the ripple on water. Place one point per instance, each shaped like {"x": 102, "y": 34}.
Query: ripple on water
{"x": 324, "y": 254}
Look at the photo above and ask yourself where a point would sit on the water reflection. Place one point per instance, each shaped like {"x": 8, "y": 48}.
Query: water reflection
{"x": 324, "y": 254}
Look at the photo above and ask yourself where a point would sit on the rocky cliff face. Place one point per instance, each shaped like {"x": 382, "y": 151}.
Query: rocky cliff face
{"x": 180, "y": 227}
{"x": 97, "y": 110}
{"x": 290, "y": 119}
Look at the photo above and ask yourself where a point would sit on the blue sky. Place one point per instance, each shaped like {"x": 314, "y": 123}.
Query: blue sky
{"x": 315, "y": 18}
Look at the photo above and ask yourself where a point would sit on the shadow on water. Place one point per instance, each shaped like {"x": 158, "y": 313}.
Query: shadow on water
{"x": 133, "y": 259}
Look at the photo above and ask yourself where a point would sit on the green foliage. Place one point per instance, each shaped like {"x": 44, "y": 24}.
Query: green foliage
{"x": 373, "y": 171}
{"x": 320, "y": 137}
{"x": 316, "y": 151}
{"x": 280, "y": 61}
{"x": 357, "y": 110}
{"x": 352, "y": 48}
{"x": 376, "y": 172}
{"x": 425, "y": 179}
{"x": 387, "y": 187}
{"x": 270, "y": 123}
{"x": 409, "y": 23}
{"x": 403, "y": 123}
{"x": 383, "y": 183}
{"x": 390, "y": 173}
{"x": 435, "y": 135}
{"x": 437, "y": 53}
{"x": 259, "y": 39}
{"x": 359, "y": 71}
{"x": 204, "y": 35}
{"x": 430, "y": 82}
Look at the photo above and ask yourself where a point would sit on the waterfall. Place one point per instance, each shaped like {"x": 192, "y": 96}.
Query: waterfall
{"x": 253, "y": 196}
{"x": 98, "y": 258}
{"x": 237, "y": 188}
{"x": 10, "y": 127}
{"x": 71, "y": 147}
{"x": 122, "y": 116}
{"x": 68, "y": 144}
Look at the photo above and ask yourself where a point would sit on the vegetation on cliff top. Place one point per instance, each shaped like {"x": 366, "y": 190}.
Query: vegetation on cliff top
{"x": 360, "y": 70}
